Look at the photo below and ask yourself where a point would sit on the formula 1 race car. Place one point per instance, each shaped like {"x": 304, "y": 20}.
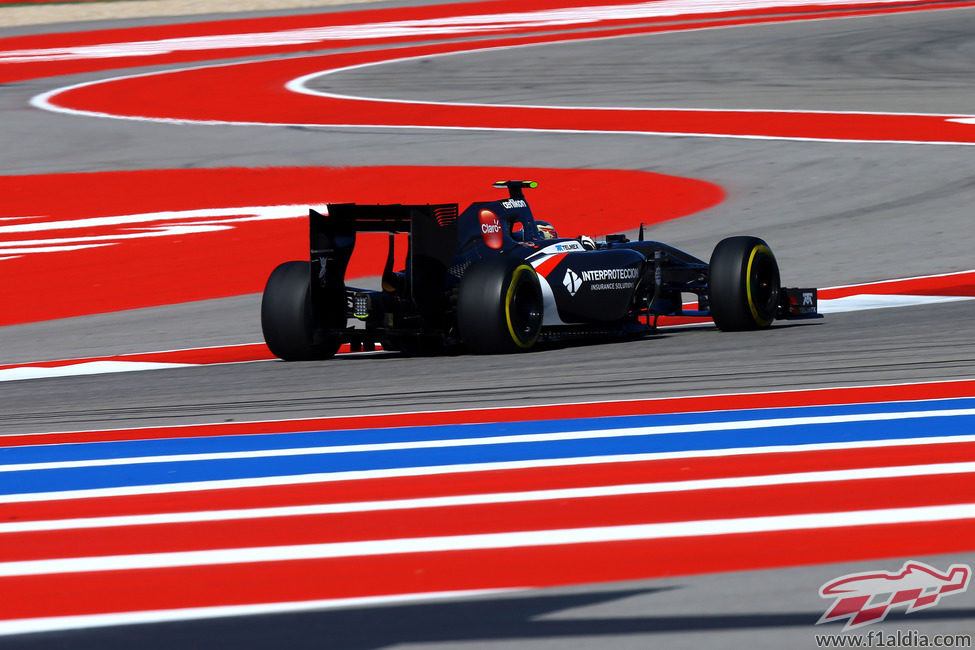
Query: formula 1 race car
{"x": 493, "y": 279}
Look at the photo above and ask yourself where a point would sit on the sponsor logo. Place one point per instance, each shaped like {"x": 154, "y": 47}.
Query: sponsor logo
{"x": 611, "y": 286}
{"x": 568, "y": 247}
{"x": 610, "y": 274}
{"x": 572, "y": 282}
{"x": 514, "y": 203}
{"x": 491, "y": 229}
{"x": 865, "y": 598}
{"x": 598, "y": 279}
{"x": 807, "y": 298}
{"x": 562, "y": 247}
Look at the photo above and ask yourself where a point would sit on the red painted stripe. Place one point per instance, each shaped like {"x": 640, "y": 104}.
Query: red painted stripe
{"x": 158, "y": 96}
{"x": 142, "y": 272}
{"x": 733, "y": 503}
{"x": 683, "y": 469}
{"x": 954, "y": 284}
{"x": 221, "y": 354}
{"x": 195, "y": 356}
{"x": 813, "y": 397}
{"x": 547, "y": 265}
{"x": 138, "y": 590}
{"x": 32, "y": 70}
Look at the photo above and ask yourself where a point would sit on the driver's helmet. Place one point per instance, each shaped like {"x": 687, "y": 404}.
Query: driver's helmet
{"x": 546, "y": 230}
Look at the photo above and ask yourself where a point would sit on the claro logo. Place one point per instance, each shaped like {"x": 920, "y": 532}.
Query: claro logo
{"x": 491, "y": 229}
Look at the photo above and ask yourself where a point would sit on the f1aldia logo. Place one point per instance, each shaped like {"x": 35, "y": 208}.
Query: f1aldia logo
{"x": 865, "y": 598}
{"x": 572, "y": 282}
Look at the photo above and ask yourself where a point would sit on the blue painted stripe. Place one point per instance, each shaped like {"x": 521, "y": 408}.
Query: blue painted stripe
{"x": 257, "y": 442}
{"x": 210, "y": 470}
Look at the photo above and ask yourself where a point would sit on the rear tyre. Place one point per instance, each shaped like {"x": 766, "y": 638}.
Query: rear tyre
{"x": 291, "y": 328}
{"x": 499, "y": 306}
{"x": 744, "y": 284}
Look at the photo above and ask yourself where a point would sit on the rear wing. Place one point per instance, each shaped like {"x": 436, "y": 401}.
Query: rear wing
{"x": 432, "y": 233}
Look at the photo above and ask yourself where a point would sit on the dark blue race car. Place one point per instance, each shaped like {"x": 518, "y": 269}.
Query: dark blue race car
{"x": 493, "y": 279}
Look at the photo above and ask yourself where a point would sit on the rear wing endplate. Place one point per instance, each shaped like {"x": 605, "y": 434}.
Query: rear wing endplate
{"x": 432, "y": 233}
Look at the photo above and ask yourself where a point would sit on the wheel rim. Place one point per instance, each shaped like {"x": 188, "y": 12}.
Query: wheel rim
{"x": 762, "y": 285}
{"x": 522, "y": 304}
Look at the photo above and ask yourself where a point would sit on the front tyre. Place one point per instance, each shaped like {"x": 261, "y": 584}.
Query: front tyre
{"x": 744, "y": 285}
{"x": 288, "y": 319}
{"x": 499, "y": 306}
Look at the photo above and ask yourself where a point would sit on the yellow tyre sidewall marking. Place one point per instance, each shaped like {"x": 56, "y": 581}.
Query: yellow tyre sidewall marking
{"x": 509, "y": 296}
{"x": 761, "y": 248}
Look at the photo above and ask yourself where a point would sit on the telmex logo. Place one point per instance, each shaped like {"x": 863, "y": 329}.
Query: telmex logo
{"x": 865, "y": 598}
{"x": 491, "y": 229}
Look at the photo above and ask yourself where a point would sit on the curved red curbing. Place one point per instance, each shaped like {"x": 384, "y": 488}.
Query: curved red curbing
{"x": 120, "y": 240}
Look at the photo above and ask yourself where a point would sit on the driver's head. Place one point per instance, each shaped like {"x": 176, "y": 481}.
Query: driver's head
{"x": 546, "y": 230}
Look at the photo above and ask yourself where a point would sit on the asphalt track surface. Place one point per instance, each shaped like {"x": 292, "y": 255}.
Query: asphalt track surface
{"x": 834, "y": 213}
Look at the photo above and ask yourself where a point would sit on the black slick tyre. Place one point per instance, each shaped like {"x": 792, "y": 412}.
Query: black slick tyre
{"x": 744, "y": 284}
{"x": 499, "y": 306}
{"x": 291, "y": 329}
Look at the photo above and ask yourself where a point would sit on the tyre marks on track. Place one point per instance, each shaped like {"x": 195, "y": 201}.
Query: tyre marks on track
{"x": 907, "y": 292}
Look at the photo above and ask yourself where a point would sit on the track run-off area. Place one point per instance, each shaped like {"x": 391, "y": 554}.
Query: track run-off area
{"x": 210, "y": 499}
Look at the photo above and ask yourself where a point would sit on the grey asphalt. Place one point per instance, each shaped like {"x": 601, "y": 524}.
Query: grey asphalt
{"x": 884, "y": 346}
{"x": 833, "y": 213}
{"x": 767, "y": 610}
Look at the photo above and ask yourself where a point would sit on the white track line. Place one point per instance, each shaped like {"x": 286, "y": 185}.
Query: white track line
{"x": 495, "y": 440}
{"x": 44, "y": 101}
{"x": 422, "y": 28}
{"x": 868, "y": 301}
{"x": 52, "y": 623}
{"x": 858, "y": 474}
{"x": 85, "y": 368}
{"x": 485, "y": 541}
{"x": 323, "y": 421}
{"x": 436, "y": 470}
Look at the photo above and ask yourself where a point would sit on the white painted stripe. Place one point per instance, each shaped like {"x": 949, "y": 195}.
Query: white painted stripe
{"x": 204, "y": 216}
{"x": 327, "y": 477}
{"x": 496, "y": 440}
{"x": 859, "y": 302}
{"x": 50, "y": 624}
{"x": 85, "y": 368}
{"x": 44, "y": 101}
{"x": 895, "y": 280}
{"x": 867, "y": 301}
{"x": 123, "y": 356}
{"x": 859, "y": 474}
{"x": 484, "y": 541}
{"x": 416, "y": 28}
{"x": 530, "y": 407}
{"x": 299, "y": 85}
